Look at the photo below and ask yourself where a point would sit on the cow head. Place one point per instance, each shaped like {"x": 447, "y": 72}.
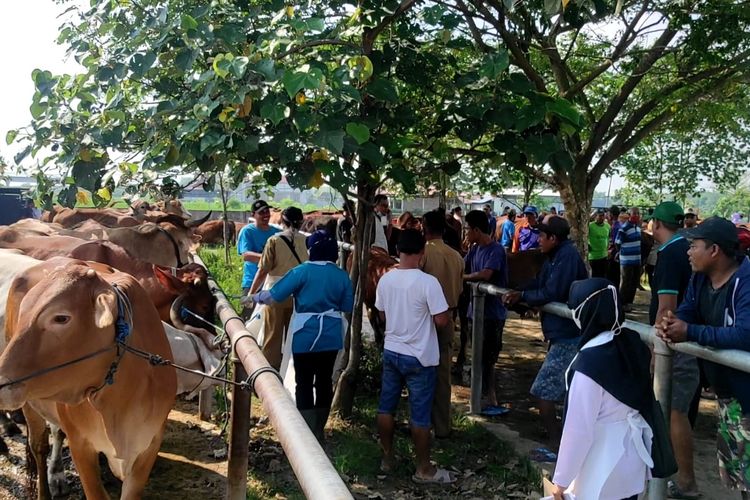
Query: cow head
{"x": 174, "y": 207}
{"x": 139, "y": 209}
{"x": 190, "y": 284}
{"x": 58, "y": 311}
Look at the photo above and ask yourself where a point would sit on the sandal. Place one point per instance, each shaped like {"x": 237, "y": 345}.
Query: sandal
{"x": 674, "y": 492}
{"x": 388, "y": 464}
{"x": 441, "y": 476}
{"x": 494, "y": 411}
{"x": 542, "y": 455}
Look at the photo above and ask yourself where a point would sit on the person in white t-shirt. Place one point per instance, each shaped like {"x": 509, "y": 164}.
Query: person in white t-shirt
{"x": 382, "y": 222}
{"x": 411, "y": 303}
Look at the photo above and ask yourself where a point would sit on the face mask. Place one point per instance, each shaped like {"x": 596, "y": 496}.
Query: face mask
{"x": 578, "y": 310}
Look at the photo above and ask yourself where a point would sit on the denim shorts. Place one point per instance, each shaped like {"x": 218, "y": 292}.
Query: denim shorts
{"x": 400, "y": 369}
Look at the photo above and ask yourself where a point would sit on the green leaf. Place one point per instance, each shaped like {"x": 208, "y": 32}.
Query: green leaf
{"x": 266, "y": 68}
{"x": 494, "y": 65}
{"x": 222, "y": 64}
{"x": 187, "y": 22}
{"x": 295, "y": 81}
{"x": 10, "y": 136}
{"x": 314, "y": 24}
{"x": 552, "y": 7}
{"x": 185, "y": 58}
{"x": 382, "y": 90}
{"x": 359, "y": 131}
{"x": 37, "y": 109}
{"x": 273, "y": 111}
{"x": 248, "y": 144}
{"x": 141, "y": 63}
{"x": 332, "y": 140}
{"x": 232, "y": 33}
{"x": 530, "y": 115}
{"x": 565, "y": 109}
{"x": 211, "y": 139}
{"x": 360, "y": 67}
{"x": 238, "y": 66}
{"x": 272, "y": 177}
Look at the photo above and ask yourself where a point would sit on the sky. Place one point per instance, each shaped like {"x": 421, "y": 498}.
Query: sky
{"x": 28, "y": 30}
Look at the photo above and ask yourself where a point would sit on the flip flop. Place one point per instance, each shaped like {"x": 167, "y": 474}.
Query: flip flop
{"x": 387, "y": 465}
{"x": 441, "y": 476}
{"x": 674, "y": 492}
{"x": 542, "y": 455}
{"x": 494, "y": 411}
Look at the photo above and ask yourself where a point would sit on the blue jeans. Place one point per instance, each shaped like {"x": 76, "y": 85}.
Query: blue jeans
{"x": 400, "y": 369}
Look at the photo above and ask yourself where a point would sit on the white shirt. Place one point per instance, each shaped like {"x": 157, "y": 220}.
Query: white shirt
{"x": 593, "y": 415}
{"x": 381, "y": 222}
{"x": 410, "y": 298}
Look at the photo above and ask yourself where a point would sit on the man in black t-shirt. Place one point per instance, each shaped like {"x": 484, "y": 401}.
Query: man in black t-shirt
{"x": 716, "y": 313}
{"x": 670, "y": 280}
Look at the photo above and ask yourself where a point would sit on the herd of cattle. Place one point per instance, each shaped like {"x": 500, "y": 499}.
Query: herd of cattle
{"x": 78, "y": 281}
{"x": 69, "y": 286}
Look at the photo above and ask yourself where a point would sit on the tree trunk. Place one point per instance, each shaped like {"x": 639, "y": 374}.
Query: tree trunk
{"x": 225, "y": 236}
{"x": 343, "y": 399}
{"x": 577, "y": 201}
{"x": 529, "y": 183}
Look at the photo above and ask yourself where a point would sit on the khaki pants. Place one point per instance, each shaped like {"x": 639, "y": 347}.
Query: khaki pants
{"x": 275, "y": 323}
{"x": 441, "y": 403}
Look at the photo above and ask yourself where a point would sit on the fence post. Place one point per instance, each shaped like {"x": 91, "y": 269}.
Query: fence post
{"x": 342, "y": 257}
{"x": 657, "y": 487}
{"x": 205, "y": 404}
{"x": 239, "y": 437}
{"x": 477, "y": 343}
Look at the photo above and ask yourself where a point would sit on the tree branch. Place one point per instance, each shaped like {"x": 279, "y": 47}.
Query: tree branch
{"x": 369, "y": 36}
{"x": 518, "y": 58}
{"x": 605, "y": 122}
{"x": 314, "y": 43}
{"x": 473, "y": 27}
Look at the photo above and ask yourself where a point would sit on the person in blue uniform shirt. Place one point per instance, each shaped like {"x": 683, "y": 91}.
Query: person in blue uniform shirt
{"x": 322, "y": 294}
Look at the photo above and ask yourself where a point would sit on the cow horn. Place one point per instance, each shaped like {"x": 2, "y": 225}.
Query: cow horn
{"x": 174, "y": 312}
{"x": 197, "y": 282}
{"x": 198, "y": 222}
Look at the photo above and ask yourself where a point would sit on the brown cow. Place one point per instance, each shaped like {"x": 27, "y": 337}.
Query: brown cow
{"x": 110, "y": 217}
{"x": 212, "y": 232}
{"x": 64, "y": 311}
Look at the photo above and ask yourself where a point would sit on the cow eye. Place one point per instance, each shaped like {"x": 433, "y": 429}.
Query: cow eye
{"x": 61, "y": 319}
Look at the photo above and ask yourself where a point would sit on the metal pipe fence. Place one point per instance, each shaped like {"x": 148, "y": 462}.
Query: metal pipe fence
{"x": 663, "y": 352}
{"x": 316, "y": 475}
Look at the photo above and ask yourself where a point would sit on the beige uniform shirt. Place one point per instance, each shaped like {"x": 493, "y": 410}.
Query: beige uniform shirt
{"x": 447, "y": 265}
{"x": 277, "y": 258}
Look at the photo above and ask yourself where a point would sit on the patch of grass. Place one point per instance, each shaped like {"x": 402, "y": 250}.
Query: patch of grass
{"x": 228, "y": 276}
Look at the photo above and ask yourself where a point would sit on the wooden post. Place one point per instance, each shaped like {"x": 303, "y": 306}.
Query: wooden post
{"x": 239, "y": 438}
{"x": 205, "y": 404}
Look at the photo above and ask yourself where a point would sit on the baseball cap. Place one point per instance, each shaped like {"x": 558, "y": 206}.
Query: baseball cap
{"x": 716, "y": 229}
{"x": 669, "y": 212}
{"x": 555, "y": 226}
{"x": 259, "y": 205}
{"x": 690, "y": 213}
{"x": 531, "y": 209}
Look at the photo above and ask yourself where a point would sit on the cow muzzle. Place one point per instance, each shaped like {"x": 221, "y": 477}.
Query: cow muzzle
{"x": 12, "y": 396}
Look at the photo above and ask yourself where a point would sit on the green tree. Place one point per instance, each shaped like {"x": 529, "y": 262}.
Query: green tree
{"x": 712, "y": 144}
{"x": 737, "y": 200}
{"x": 630, "y": 73}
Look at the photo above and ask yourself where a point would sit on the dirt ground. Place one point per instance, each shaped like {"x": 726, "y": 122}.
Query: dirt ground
{"x": 188, "y": 468}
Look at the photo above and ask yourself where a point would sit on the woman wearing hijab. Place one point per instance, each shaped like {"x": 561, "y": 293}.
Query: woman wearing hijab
{"x": 322, "y": 294}
{"x": 281, "y": 253}
{"x": 606, "y": 447}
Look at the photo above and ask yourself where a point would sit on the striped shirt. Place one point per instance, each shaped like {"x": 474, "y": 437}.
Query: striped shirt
{"x": 629, "y": 241}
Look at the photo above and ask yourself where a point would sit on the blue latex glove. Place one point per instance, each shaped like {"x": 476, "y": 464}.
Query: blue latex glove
{"x": 263, "y": 297}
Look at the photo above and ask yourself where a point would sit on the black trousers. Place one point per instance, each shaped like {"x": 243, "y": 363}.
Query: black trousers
{"x": 599, "y": 268}
{"x": 630, "y": 277}
{"x": 314, "y": 370}
{"x": 493, "y": 344}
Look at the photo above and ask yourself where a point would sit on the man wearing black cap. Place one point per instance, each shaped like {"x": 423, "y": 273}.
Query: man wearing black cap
{"x": 562, "y": 267}
{"x": 716, "y": 313}
{"x": 250, "y": 243}
{"x": 671, "y": 277}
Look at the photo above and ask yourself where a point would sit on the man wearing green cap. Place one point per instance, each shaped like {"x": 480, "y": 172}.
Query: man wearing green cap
{"x": 671, "y": 277}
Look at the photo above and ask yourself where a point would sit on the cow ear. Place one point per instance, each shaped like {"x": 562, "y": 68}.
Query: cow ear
{"x": 172, "y": 283}
{"x": 105, "y": 309}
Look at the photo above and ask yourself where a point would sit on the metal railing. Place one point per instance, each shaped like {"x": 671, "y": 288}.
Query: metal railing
{"x": 740, "y": 360}
{"x": 316, "y": 475}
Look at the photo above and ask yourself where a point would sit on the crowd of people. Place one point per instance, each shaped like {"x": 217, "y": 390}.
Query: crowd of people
{"x": 613, "y": 436}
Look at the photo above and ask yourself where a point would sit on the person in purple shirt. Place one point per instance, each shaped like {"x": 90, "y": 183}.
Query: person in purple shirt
{"x": 486, "y": 261}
